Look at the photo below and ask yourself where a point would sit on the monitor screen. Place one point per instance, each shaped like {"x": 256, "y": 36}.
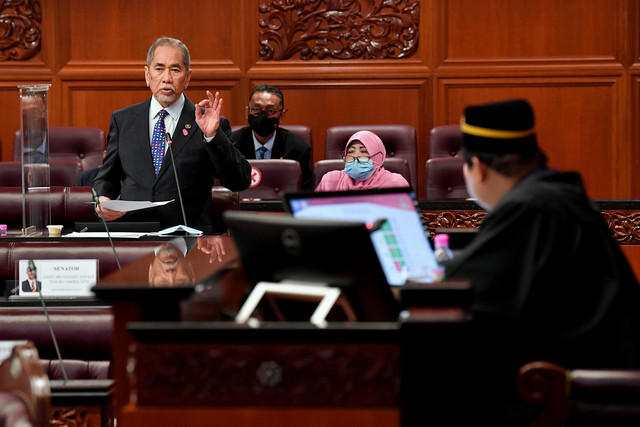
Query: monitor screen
{"x": 401, "y": 241}
{"x": 276, "y": 248}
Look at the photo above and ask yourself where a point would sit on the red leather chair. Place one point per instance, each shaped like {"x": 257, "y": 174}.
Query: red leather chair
{"x": 25, "y": 394}
{"x": 445, "y": 141}
{"x": 62, "y": 172}
{"x": 393, "y": 164}
{"x": 399, "y": 141}
{"x": 444, "y": 179}
{"x": 272, "y": 177}
{"x": 84, "y": 144}
{"x": 581, "y": 397}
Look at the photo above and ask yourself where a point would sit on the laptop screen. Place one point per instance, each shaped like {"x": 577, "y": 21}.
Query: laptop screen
{"x": 400, "y": 241}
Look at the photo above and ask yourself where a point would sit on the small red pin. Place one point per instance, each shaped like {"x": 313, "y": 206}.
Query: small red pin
{"x": 185, "y": 132}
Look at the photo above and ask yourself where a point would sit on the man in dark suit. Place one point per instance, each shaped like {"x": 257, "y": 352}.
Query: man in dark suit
{"x": 85, "y": 178}
{"x": 137, "y": 165}
{"x": 31, "y": 283}
{"x": 264, "y": 139}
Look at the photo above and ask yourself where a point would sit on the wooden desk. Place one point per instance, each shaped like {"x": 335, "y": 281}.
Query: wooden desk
{"x": 284, "y": 374}
{"x": 169, "y": 371}
{"x": 82, "y": 403}
{"x": 134, "y": 299}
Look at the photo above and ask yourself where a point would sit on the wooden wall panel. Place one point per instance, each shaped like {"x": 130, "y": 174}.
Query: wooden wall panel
{"x": 525, "y": 30}
{"x": 322, "y": 105}
{"x": 578, "y": 61}
{"x": 576, "y": 120}
{"x": 91, "y": 104}
{"x": 120, "y": 31}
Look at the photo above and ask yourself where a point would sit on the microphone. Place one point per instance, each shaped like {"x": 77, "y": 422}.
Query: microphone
{"x": 53, "y": 335}
{"x": 34, "y": 272}
{"x": 96, "y": 200}
{"x": 168, "y": 141}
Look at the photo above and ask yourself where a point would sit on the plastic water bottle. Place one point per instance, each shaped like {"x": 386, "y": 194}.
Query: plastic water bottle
{"x": 442, "y": 254}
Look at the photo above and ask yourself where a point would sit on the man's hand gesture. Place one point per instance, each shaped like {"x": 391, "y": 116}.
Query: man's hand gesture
{"x": 210, "y": 119}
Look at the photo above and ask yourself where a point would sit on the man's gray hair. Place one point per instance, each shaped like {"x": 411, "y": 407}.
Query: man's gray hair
{"x": 168, "y": 41}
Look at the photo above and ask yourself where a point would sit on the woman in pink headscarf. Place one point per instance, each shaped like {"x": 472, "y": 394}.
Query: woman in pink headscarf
{"x": 363, "y": 167}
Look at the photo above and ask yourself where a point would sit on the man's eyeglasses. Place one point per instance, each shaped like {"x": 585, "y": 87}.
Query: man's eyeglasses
{"x": 269, "y": 111}
{"x": 351, "y": 159}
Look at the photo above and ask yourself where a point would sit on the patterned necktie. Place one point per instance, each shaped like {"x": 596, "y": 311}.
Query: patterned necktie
{"x": 157, "y": 142}
{"x": 33, "y": 286}
{"x": 261, "y": 152}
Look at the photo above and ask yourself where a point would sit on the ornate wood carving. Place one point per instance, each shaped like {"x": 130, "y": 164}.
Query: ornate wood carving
{"x": 19, "y": 32}
{"x": 79, "y": 417}
{"x": 278, "y": 374}
{"x": 624, "y": 226}
{"x": 338, "y": 29}
{"x": 452, "y": 219}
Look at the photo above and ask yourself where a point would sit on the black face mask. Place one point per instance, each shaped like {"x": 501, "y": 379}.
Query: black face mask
{"x": 263, "y": 125}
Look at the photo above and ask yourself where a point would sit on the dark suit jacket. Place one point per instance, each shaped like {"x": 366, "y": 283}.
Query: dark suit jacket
{"x": 85, "y": 178}
{"x": 127, "y": 169}
{"x": 26, "y": 287}
{"x": 287, "y": 145}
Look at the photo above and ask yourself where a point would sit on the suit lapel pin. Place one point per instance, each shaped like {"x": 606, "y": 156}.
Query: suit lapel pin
{"x": 185, "y": 132}
{"x": 188, "y": 125}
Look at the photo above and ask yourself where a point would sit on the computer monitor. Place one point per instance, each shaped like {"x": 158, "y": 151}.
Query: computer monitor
{"x": 401, "y": 243}
{"x": 277, "y": 248}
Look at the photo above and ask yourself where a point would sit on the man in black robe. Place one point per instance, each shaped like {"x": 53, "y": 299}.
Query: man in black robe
{"x": 549, "y": 281}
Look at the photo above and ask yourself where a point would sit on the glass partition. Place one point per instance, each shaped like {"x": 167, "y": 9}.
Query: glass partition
{"x": 34, "y": 127}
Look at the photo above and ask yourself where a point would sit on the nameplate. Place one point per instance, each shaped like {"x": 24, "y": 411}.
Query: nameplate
{"x": 6, "y": 347}
{"x": 56, "y": 277}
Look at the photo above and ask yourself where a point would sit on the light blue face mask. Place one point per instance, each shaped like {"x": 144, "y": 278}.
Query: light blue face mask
{"x": 359, "y": 170}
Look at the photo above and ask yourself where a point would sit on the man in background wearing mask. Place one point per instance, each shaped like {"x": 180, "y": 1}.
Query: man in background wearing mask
{"x": 549, "y": 281}
{"x": 265, "y": 139}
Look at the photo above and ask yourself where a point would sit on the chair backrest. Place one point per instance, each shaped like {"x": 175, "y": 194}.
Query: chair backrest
{"x": 399, "y": 141}
{"x": 85, "y": 144}
{"x": 23, "y": 377}
{"x": 444, "y": 179}
{"x": 445, "y": 141}
{"x": 393, "y": 164}
{"x": 580, "y": 397}
{"x": 62, "y": 172}
{"x": 271, "y": 177}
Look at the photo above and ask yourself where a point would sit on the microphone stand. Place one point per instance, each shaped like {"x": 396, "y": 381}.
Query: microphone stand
{"x": 53, "y": 337}
{"x": 96, "y": 200}
{"x": 167, "y": 139}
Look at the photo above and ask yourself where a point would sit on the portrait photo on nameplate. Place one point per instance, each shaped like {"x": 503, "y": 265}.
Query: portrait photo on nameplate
{"x": 56, "y": 277}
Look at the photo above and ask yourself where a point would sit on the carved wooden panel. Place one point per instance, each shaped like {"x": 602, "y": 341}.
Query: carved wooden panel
{"x": 81, "y": 416}
{"x": 267, "y": 375}
{"x": 342, "y": 29}
{"x": 452, "y": 219}
{"x": 624, "y": 226}
{"x": 20, "y": 35}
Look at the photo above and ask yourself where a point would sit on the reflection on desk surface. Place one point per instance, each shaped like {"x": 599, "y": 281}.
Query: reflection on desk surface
{"x": 180, "y": 262}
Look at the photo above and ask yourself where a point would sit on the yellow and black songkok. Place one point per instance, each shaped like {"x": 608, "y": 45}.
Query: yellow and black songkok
{"x": 500, "y": 128}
